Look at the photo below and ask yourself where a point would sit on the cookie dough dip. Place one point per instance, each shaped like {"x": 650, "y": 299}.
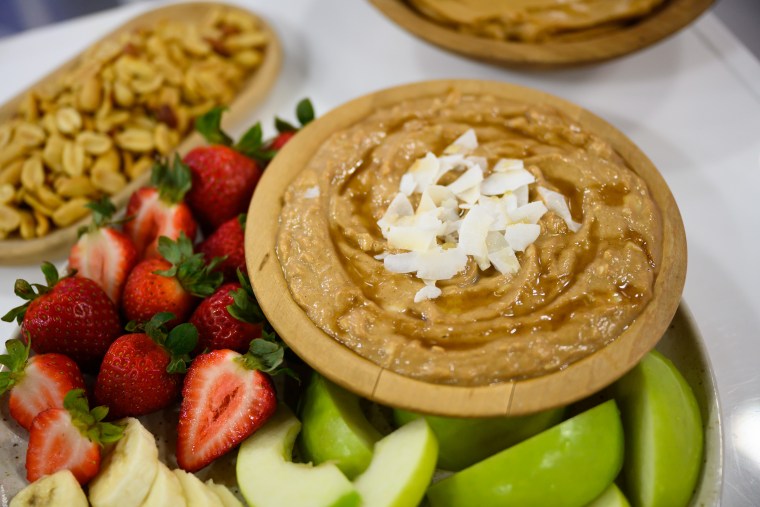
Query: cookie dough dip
{"x": 536, "y": 20}
{"x": 469, "y": 239}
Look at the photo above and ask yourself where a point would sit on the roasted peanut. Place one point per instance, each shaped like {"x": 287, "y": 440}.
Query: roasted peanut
{"x": 122, "y": 94}
{"x": 6, "y": 132}
{"x": 134, "y": 139}
{"x": 32, "y": 173}
{"x": 76, "y": 186}
{"x": 108, "y": 181}
{"x": 11, "y": 173}
{"x": 70, "y": 212}
{"x": 26, "y": 225}
{"x": 94, "y": 143}
{"x": 73, "y": 159}
{"x": 52, "y": 154}
{"x": 10, "y": 218}
{"x": 138, "y": 167}
{"x": 30, "y": 135}
{"x": 7, "y": 193}
{"x": 90, "y": 94}
{"x": 68, "y": 120}
{"x": 47, "y": 197}
{"x": 43, "y": 223}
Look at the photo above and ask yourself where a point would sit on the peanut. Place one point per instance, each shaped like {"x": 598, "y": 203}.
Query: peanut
{"x": 70, "y": 212}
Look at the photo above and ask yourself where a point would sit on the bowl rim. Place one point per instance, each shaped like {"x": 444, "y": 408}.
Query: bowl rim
{"x": 666, "y": 20}
{"x": 355, "y": 373}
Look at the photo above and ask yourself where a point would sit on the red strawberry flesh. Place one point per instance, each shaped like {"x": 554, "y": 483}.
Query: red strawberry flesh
{"x": 223, "y": 403}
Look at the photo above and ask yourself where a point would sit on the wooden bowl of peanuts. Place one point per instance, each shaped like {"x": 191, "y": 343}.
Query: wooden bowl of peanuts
{"x": 94, "y": 126}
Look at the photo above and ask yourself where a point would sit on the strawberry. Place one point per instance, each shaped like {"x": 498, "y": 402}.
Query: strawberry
{"x": 159, "y": 210}
{"x": 172, "y": 284}
{"x": 226, "y": 396}
{"x": 36, "y": 383}
{"x": 103, "y": 253}
{"x": 69, "y": 438}
{"x": 227, "y": 241}
{"x": 286, "y": 131}
{"x": 71, "y": 316}
{"x": 230, "y": 318}
{"x": 142, "y": 372}
{"x": 224, "y": 177}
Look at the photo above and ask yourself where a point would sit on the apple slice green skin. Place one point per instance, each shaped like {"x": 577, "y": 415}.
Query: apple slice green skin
{"x": 464, "y": 442}
{"x": 664, "y": 434}
{"x": 568, "y": 465}
{"x": 267, "y": 478}
{"x": 334, "y": 428}
{"x": 612, "y": 497}
{"x": 401, "y": 468}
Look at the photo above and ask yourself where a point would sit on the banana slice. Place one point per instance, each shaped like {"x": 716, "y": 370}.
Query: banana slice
{"x": 224, "y": 494}
{"x": 127, "y": 473}
{"x": 166, "y": 490}
{"x": 196, "y": 493}
{"x": 61, "y": 488}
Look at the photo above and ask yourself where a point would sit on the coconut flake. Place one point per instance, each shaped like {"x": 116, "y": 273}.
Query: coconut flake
{"x": 440, "y": 263}
{"x": 499, "y": 183}
{"x": 505, "y": 261}
{"x": 407, "y": 185}
{"x": 398, "y": 208}
{"x": 529, "y": 213}
{"x": 463, "y": 144}
{"x": 429, "y": 291}
{"x": 508, "y": 164}
{"x": 424, "y": 171}
{"x": 407, "y": 262}
{"x": 469, "y": 179}
{"x": 473, "y": 232}
{"x": 519, "y": 236}
{"x": 556, "y": 202}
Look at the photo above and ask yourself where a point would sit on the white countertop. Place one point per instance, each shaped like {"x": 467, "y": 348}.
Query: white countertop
{"x": 691, "y": 103}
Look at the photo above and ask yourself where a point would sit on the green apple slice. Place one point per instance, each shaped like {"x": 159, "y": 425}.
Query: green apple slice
{"x": 334, "y": 428}
{"x": 664, "y": 435}
{"x": 568, "y": 465}
{"x": 612, "y": 497}
{"x": 463, "y": 442}
{"x": 401, "y": 468}
{"x": 267, "y": 477}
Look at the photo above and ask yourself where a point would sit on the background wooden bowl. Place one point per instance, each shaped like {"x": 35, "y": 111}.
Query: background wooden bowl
{"x": 345, "y": 367}
{"x": 665, "y": 21}
{"x": 253, "y": 91}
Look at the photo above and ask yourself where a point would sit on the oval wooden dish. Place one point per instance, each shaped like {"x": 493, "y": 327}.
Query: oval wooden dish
{"x": 664, "y": 21}
{"x": 345, "y": 367}
{"x": 252, "y": 91}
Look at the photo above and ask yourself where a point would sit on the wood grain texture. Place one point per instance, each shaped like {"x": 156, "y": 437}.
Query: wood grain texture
{"x": 253, "y": 91}
{"x": 367, "y": 379}
{"x": 667, "y": 20}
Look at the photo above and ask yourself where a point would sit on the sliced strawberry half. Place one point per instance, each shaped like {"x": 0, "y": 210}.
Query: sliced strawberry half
{"x": 225, "y": 398}
{"x": 69, "y": 438}
{"x": 36, "y": 383}
{"x": 103, "y": 253}
{"x": 160, "y": 210}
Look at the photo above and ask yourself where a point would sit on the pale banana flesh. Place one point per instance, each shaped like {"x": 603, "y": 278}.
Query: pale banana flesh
{"x": 60, "y": 488}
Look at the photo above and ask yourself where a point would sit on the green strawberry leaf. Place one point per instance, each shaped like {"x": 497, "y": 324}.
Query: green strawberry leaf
{"x": 242, "y": 220}
{"x": 16, "y": 355}
{"x": 305, "y": 112}
{"x": 75, "y": 402}
{"x": 155, "y": 326}
{"x": 110, "y": 432}
{"x": 210, "y": 127}
{"x": 191, "y": 270}
{"x": 251, "y": 141}
{"x": 283, "y": 126}
{"x": 173, "y": 180}
{"x": 263, "y": 355}
{"x": 182, "y": 339}
{"x": 30, "y": 292}
{"x": 244, "y": 306}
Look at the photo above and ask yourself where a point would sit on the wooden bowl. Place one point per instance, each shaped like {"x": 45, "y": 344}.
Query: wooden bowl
{"x": 348, "y": 369}
{"x": 665, "y": 21}
{"x": 252, "y": 92}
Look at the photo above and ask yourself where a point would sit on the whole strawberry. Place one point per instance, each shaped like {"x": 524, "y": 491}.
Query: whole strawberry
{"x": 228, "y": 242}
{"x": 69, "y": 438}
{"x": 172, "y": 284}
{"x": 228, "y": 319}
{"x": 36, "y": 383}
{"x": 160, "y": 210}
{"x": 226, "y": 396}
{"x": 142, "y": 372}
{"x": 224, "y": 177}
{"x": 103, "y": 253}
{"x": 71, "y": 316}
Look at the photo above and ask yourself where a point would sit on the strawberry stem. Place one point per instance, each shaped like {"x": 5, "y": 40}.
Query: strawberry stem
{"x": 210, "y": 127}
{"x": 178, "y": 342}
{"x": 30, "y": 292}
{"x": 195, "y": 276}
{"x": 14, "y": 361}
{"x": 244, "y": 306}
{"x": 173, "y": 180}
{"x": 90, "y": 422}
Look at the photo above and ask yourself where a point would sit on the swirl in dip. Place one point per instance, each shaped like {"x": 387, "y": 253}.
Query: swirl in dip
{"x": 573, "y": 293}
